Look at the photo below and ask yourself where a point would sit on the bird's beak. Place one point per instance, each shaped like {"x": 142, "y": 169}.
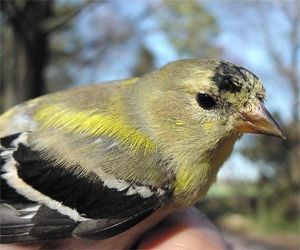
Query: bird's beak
{"x": 259, "y": 121}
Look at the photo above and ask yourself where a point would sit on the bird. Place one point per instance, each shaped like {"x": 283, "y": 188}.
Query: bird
{"x": 108, "y": 161}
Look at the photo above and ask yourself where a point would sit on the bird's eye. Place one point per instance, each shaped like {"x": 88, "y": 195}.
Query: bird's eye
{"x": 205, "y": 101}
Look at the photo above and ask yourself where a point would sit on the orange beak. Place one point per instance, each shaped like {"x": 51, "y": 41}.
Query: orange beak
{"x": 259, "y": 121}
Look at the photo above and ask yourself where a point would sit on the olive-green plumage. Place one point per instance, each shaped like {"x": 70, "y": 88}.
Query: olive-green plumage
{"x": 177, "y": 124}
{"x": 156, "y": 119}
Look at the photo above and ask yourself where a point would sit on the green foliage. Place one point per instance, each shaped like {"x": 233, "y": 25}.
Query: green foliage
{"x": 270, "y": 219}
{"x": 246, "y": 206}
{"x": 190, "y": 28}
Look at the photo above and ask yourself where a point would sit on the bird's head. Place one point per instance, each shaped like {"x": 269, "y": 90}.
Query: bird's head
{"x": 206, "y": 100}
{"x": 194, "y": 111}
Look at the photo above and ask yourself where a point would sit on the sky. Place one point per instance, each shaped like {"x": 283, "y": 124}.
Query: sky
{"x": 235, "y": 46}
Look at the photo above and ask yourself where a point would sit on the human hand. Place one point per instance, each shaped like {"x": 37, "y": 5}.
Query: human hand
{"x": 187, "y": 229}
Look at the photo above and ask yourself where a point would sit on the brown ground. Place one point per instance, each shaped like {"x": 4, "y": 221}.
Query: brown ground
{"x": 243, "y": 241}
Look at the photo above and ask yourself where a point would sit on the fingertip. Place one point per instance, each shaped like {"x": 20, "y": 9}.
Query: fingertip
{"x": 187, "y": 229}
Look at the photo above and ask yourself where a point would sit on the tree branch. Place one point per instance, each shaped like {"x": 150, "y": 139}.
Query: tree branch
{"x": 56, "y": 23}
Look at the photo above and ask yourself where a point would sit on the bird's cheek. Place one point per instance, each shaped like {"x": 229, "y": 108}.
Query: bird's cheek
{"x": 209, "y": 126}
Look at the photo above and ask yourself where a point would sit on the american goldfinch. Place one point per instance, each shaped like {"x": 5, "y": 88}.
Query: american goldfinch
{"x": 109, "y": 161}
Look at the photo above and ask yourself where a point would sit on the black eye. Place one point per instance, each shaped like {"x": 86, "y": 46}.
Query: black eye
{"x": 205, "y": 101}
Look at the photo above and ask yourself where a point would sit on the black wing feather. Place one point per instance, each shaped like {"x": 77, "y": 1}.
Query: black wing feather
{"x": 105, "y": 228}
{"x": 108, "y": 211}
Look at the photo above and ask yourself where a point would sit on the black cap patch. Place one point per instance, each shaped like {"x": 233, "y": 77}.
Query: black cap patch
{"x": 230, "y": 77}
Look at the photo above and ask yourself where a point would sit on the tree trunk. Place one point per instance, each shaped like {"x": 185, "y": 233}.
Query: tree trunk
{"x": 32, "y": 49}
{"x": 36, "y": 59}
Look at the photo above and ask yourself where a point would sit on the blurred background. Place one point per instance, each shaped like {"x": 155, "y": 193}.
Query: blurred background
{"x": 48, "y": 46}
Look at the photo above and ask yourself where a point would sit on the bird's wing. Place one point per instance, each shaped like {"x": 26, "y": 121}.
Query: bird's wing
{"x": 43, "y": 199}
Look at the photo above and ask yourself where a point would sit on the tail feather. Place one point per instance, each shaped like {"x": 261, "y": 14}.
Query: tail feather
{"x": 13, "y": 227}
{"x": 43, "y": 224}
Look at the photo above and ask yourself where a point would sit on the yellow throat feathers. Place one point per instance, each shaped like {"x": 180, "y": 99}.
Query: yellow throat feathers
{"x": 92, "y": 123}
